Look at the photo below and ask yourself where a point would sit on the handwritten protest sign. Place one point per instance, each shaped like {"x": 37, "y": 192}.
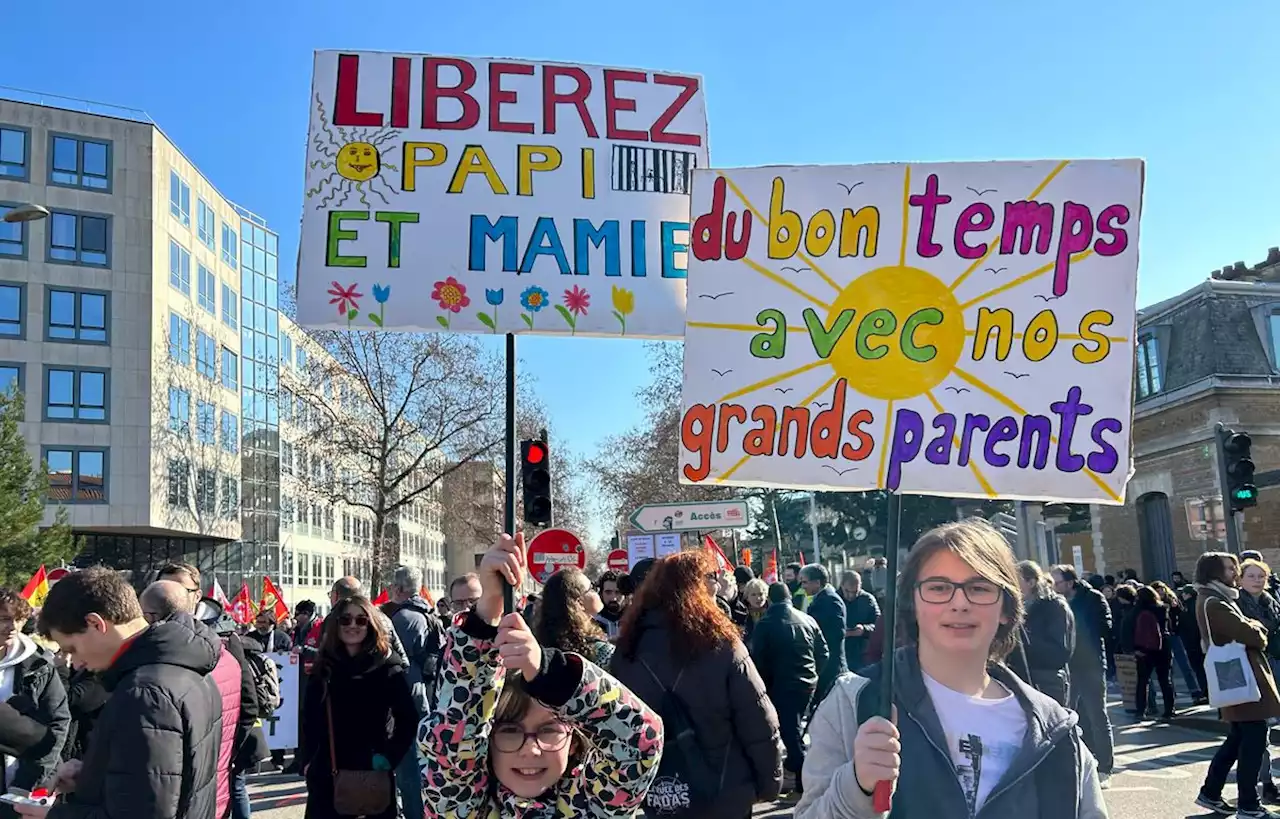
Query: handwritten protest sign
{"x": 960, "y": 329}
{"x": 491, "y": 196}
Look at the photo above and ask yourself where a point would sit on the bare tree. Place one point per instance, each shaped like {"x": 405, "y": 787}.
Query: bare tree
{"x": 390, "y": 415}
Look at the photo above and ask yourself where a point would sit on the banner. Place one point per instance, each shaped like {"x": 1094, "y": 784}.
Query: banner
{"x": 666, "y": 544}
{"x": 958, "y": 329}
{"x": 494, "y": 196}
{"x": 281, "y": 727}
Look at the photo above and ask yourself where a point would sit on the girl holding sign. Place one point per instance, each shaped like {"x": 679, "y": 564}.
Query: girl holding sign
{"x": 969, "y": 737}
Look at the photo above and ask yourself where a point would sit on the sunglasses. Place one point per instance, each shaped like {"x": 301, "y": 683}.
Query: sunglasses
{"x": 353, "y": 620}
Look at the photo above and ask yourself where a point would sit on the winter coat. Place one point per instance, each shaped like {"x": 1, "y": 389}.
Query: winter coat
{"x": 420, "y": 631}
{"x": 34, "y": 725}
{"x": 274, "y": 641}
{"x": 251, "y": 742}
{"x": 624, "y": 737}
{"x": 226, "y": 675}
{"x": 733, "y": 718}
{"x": 85, "y": 697}
{"x": 154, "y": 753}
{"x": 862, "y": 610}
{"x": 1266, "y": 611}
{"x": 828, "y": 609}
{"x": 1053, "y": 777}
{"x": 368, "y": 694}
{"x": 788, "y": 650}
{"x": 311, "y": 645}
{"x": 1047, "y": 644}
{"x": 1093, "y": 622}
{"x": 1222, "y": 622}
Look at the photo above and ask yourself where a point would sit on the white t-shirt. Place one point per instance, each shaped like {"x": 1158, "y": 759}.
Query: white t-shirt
{"x": 984, "y": 736}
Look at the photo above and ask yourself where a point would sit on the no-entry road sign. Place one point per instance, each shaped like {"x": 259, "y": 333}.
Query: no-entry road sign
{"x": 552, "y": 550}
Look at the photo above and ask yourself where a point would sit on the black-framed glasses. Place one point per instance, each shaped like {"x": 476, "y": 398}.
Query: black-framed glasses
{"x": 353, "y": 620}
{"x": 510, "y": 737}
{"x": 939, "y": 590}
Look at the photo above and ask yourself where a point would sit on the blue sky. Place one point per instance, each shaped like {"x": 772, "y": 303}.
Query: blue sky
{"x": 1189, "y": 87}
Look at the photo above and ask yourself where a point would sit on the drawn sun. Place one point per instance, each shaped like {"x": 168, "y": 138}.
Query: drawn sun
{"x": 892, "y": 378}
{"x": 353, "y": 160}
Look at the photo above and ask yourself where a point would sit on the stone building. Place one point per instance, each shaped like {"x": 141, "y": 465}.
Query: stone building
{"x": 1206, "y": 356}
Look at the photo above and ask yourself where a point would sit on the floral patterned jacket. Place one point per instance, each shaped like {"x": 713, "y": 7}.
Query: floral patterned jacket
{"x": 453, "y": 743}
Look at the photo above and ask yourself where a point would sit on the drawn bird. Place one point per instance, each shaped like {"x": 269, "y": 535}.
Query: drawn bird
{"x": 716, "y": 296}
{"x": 721, "y": 373}
{"x": 1017, "y": 375}
{"x": 783, "y": 390}
{"x": 841, "y": 471}
{"x": 848, "y": 189}
{"x": 981, "y": 192}
{"x": 958, "y": 390}
{"x": 995, "y": 270}
{"x": 1047, "y": 298}
{"x": 797, "y": 269}
{"x": 819, "y": 403}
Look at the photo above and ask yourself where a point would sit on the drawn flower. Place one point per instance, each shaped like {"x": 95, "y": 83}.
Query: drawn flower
{"x": 451, "y": 295}
{"x": 576, "y": 302}
{"x": 347, "y": 300}
{"x": 494, "y": 298}
{"x": 533, "y": 299}
{"x": 380, "y": 294}
{"x": 624, "y": 302}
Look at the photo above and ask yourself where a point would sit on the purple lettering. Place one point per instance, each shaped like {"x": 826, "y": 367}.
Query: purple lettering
{"x": 1111, "y": 216}
{"x": 976, "y": 217}
{"x": 928, "y": 203}
{"x": 1106, "y": 458}
{"x": 1075, "y": 236}
{"x": 1025, "y": 222}
{"x": 1005, "y": 429}
{"x": 939, "y": 449}
{"x": 1069, "y": 410}
{"x": 908, "y": 436}
{"x": 972, "y": 424}
{"x": 1042, "y": 428}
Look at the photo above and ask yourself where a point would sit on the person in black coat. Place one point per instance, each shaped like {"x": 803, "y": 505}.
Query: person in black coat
{"x": 861, "y": 611}
{"x": 85, "y": 697}
{"x": 1048, "y": 635}
{"x": 154, "y": 752}
{"x": 827, "y": 608}
{"x": 358, "y": 707}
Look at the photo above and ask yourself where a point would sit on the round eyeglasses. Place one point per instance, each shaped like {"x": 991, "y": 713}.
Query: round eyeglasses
{"x": 939, "y": 591}
{"x": 510, "y": 737}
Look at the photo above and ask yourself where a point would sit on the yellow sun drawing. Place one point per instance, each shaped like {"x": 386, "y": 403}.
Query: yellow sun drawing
{"x": 354, "y": 162}
{"x": 902, "y": 290}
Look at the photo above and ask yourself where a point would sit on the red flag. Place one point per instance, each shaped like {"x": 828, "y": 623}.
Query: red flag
{"x": 426, "y": 595}
{"x": 770, "y": 573}
{"x": 242, "y": 609}
{"x": 382, "y": 598}
{"x": 800, "y": 556}
{"x": 721, "y": 560}
{"x": 37, "y": 588}
{"x": 271, "y": 600}
{"x": 219, "y": 595}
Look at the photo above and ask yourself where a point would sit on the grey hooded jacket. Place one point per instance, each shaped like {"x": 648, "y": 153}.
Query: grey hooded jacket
{"x": 1054, "y": 777}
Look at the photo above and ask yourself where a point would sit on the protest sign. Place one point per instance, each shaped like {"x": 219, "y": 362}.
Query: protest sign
{"x": 493, "y": 196}
{"x": 959, "y": 329}
{"x": 281, "y": 727}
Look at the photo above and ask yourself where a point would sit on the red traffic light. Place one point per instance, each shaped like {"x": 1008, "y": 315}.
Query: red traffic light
{"x": 536, "y": 454}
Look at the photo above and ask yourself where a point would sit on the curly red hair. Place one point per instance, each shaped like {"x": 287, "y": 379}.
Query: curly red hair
{"x": 676, "y": 587}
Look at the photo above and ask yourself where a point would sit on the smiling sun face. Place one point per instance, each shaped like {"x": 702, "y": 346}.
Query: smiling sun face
{"x": 358, "y": 161}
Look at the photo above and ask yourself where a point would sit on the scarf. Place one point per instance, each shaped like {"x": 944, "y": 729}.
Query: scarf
{"x": 1220, "y": 589}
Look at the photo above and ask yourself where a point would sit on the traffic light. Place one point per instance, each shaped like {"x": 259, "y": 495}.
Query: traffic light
{"x": 1240, "y": 490}
{"x": 535, "y": 482}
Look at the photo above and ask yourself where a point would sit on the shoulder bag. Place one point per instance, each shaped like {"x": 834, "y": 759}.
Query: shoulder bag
{"x": 355, "y": 793}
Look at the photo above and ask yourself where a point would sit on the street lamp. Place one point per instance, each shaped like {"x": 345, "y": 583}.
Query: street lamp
{"x": 26, "y": 213}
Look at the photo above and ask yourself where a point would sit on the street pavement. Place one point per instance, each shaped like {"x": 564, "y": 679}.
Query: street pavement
{"x": 1159, "y": 768}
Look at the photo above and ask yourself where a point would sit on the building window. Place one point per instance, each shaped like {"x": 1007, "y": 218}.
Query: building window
{"x": 207, "y": 294}
{"x": 286, "y": 457}
{"x": 230, "y": 432}
{"x": 11, "y": 380}
{"x": 179, "y": 268}
{"x": 80, "y": 163}
{"x": 13, "y": 306}
{"x": 76, "y": 315}
{"x": 179, "y": 339}
{"x": 1148, "y": 366}
{"x": 230, "y": 369}
{"x": 79, "y": 238}
{"x": 180, "y": 411}
{"x": 179, "y": 476}
{"x": 14, "y": 158}
{"x": 206, "y": 491}
{"x": 206, "y": 422}
{"x": 229, "y": 242}
{"x": 230, "y": 496}
{"x": 73, "y": 394}
{"x": 204, "y": 223}
{"x": 206, "y": 355}
{"x": 317, "y": 567}
{"x": 179, "y": 199}
{"x": 302, "y": 359}
{"x": 76, "y": 475}
{"x": 230, "y": 306}
{"x": 13, "y": 235}
{"x": 286, "y": 349}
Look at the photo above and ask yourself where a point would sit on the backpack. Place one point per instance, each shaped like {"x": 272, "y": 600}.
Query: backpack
{"x": 266, "y": 681}
{"x": 685, "y": 785}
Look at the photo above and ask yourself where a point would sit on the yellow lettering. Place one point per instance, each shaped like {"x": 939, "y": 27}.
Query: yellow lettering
{"x": 1001, "y": 321}
{"x": 1041, "y": 336}
{"x": 1089, "y": 334}
{"x": 412, "y": 161}
{"x": 475, "y": 160}
{"x": 785, "y": 226}
{"x": 531, "y": 159}
{"x": 588, "y": 173}
{"x": 820, "y": 233}
{"x": 862, "y": 228}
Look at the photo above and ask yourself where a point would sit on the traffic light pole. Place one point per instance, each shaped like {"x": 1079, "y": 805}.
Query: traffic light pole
{"x": 509, "y": 506}
{"x": 1224, "y": 482}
